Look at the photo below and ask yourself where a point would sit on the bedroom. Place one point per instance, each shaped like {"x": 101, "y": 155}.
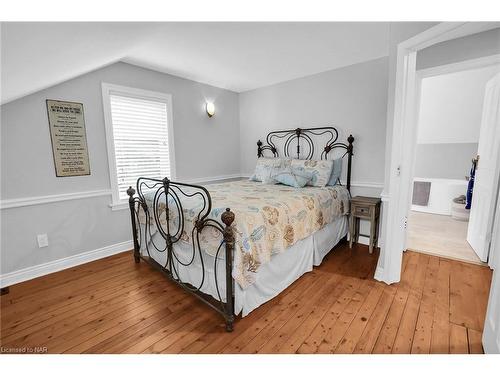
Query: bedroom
{"x": 236, "y": 160}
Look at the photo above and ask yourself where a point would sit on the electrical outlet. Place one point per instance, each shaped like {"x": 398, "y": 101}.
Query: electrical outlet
{"x": 43, "y": 240}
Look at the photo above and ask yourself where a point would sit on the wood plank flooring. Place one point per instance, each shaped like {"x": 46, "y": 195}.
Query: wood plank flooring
{"x": 116, "y": 306}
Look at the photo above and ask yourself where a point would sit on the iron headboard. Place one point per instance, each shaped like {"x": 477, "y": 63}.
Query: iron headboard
{"x": 307, "y": 135}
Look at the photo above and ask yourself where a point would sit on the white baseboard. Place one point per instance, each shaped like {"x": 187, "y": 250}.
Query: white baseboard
{"x": 379, "y": 274}
{"x": 64, "y": 263}
{"x": 366, "y": 184}
{"x": 382, "y": 277}
{"x": 364, "y": 240}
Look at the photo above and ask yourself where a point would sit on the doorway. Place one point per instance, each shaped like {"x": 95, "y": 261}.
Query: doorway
{"x": 398, "y": 189}
{"x": 450, "y": 102}
{"x": 402, "y": 135}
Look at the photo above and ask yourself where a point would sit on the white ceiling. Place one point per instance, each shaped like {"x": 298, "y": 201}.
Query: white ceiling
{"x": 235, "y": 56}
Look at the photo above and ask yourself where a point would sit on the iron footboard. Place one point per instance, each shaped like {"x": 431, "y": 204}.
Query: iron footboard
{"x": 158, "y": 210}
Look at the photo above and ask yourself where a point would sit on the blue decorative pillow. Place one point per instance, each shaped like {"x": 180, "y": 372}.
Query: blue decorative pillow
{"x": 288, "y": 177}
{"x": 319, "y": 169}
{"x": 336, "y": 172}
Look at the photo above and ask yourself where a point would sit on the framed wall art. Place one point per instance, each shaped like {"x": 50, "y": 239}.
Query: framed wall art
{"x": 69, "y": 138}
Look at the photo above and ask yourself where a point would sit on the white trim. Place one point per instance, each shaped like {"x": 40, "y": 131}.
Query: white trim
{"x": 64, "y": 263}
{"x": 379, "y": 272}
{"x": 46, "y": 199}
{"x": 361, "y": 184}
{"x": 211, "y": 179}
{"x": 124, "y": 205}
{"x": 363, "y": 240}
{"x": 108, "y": 89}
{"x": 494, "y": 256}
{"x": 366, "y": 184}
{"x": 491, "y": 331}
{"x": 490, "y": 343}
{"x": 401, "y": 147}
{"x": 433, "y": 35}
{"x": 459, "y": 66}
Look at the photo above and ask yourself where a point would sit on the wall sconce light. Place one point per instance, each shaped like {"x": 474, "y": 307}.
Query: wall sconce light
{"x": 210, "y": 108}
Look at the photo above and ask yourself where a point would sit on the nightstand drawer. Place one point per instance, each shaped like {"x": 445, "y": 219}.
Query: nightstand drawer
{"x": 361, "y": 211}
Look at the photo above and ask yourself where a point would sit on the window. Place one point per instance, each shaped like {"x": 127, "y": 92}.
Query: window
{"x": 139, "y": 137}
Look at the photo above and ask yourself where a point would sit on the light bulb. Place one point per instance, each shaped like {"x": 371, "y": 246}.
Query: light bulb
{"x": 210, "y": 108}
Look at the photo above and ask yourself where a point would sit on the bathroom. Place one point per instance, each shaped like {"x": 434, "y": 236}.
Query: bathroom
{"x": 451, "y": 110}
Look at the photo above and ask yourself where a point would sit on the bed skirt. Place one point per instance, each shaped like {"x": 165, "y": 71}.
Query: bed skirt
{"x": 272, "y": 278}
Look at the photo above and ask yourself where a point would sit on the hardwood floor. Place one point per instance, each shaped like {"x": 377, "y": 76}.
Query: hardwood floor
{"x": 116, "y": 306}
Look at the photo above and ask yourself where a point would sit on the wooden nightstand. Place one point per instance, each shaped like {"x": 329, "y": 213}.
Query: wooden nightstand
{"x": 367, "y": 208}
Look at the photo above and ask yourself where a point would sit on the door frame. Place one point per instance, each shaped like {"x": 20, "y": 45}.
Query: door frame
{"x": 481, "y": 62}
{"x": 404, "y": 139}
{"x": 494, "y": 256}
{"x": 491, "y": 342}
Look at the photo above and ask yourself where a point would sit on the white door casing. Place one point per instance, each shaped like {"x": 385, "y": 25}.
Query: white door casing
{"x": 398, "y": 187}
{"x": 491, "y": 331}
{"x": 494, "y": 257}
{"x": 491, "y": 334}
{"x": 486, "y": 179}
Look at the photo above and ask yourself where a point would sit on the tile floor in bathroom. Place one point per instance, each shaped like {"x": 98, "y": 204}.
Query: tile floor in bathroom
{"x": 440, "y": 235}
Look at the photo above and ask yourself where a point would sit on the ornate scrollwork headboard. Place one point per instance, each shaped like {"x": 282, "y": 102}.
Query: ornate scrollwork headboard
{"x": 303, "y": 140}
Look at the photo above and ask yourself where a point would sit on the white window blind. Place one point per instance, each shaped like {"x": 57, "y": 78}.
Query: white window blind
{"x": 140, "y": 135}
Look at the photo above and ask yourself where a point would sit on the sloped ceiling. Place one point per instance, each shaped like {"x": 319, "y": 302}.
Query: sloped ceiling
{"x": 235, "y": 56}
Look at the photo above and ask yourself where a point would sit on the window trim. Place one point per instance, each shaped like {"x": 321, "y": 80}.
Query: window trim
{"x": 109, "y": 89}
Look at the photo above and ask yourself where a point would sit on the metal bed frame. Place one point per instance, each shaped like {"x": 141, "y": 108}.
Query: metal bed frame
{"x": 171, "y": 193}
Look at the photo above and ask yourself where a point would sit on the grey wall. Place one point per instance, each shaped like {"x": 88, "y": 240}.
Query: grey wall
{"x": 444, "y": 160}
{"x": 469, "y": 47}
{"x": 204, "y": 148}
{"x": 451, "y": 106}
{"x": 353, "y": 99}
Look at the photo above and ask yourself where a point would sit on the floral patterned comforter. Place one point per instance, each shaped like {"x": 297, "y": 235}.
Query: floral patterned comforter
{"x": 268, "y": 219}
